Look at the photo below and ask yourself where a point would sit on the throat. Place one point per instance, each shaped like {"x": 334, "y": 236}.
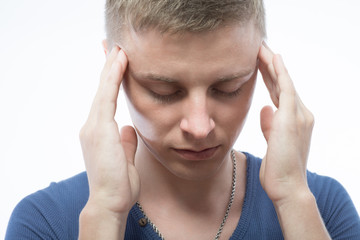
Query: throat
{"x": 194, "y": 203}
{"x": 160, "y": 185}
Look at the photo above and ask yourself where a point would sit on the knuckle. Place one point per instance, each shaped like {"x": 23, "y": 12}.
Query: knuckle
{"x": 84, "y": 133}
{"x": 81, "y": 134}
{"x": 310, "y": 118}
{"x": 89, "y": 132}
{"x": 306, "y": 119}
{"x": 301, "y": 121}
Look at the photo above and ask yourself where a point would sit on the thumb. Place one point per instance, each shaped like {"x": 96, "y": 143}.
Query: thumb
{"x": 266, "y": 118}
{"x": 129, "y": 142}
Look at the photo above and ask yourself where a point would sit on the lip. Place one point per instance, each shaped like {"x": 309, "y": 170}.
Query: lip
{"x": 197, "y": 155}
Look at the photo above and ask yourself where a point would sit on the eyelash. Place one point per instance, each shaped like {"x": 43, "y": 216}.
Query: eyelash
{"x": 166, "y": 98}
{"x": 228, "y": 94}
{"x": 174, "y": 96}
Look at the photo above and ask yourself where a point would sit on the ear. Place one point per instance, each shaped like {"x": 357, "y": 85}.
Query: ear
{"x": 105, "y": 46}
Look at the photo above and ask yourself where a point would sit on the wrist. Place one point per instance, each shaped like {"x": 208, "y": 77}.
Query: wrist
{"x": 101, "y": 206}
{"x": 299, "y": 217}
{"x": 96, "y": 222}
{"x": 299, "y": 198}
{"x": 113, "y": 203}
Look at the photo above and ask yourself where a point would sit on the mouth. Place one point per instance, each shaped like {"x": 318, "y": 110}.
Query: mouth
{"x": 196, "y": 155}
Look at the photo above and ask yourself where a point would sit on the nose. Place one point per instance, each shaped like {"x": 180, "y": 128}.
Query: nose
{"x": 197, "y": 121}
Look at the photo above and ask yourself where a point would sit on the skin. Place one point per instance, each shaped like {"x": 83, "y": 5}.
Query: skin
{"x": 216, "y": 119}
{"x": 199, "y": 111}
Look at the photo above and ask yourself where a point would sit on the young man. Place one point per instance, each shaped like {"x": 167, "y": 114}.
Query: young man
{"x": 189, "y": 70}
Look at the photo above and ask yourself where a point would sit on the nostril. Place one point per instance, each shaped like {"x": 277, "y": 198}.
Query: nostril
{"x": 212, "y": 124}
{"x": 196, "y": 128}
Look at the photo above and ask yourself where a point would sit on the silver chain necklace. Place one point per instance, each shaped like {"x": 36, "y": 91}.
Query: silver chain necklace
{"x": 217, "y": 236}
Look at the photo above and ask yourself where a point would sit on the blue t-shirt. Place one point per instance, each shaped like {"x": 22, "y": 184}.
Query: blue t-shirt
{"x": 53, "y": 213}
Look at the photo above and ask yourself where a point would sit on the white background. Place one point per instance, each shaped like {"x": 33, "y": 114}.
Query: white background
{"x": 51, "y": 58}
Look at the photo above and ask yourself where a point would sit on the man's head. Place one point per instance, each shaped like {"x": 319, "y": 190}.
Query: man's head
{"x": 191, "y": 73}
{"x": 176, "y": 16}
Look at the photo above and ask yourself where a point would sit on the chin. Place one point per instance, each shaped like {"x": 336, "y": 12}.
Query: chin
{"x": 195, "y": 173}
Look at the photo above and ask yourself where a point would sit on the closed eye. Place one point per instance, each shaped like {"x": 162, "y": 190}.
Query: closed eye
{"x": 167, "y": 98}
{"x": 170, "y": 98}
{"x": 230, "y": 94}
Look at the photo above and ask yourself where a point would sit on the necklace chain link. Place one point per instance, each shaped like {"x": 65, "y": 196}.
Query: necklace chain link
{"x": 231, "y": 199}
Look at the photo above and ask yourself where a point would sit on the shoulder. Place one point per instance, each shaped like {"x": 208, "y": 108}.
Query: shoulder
{"x": 52, "y": 212}
{"x": 335, "y": 206}
{"x": 334, "y": 203}
{"x": 329, "y": 193}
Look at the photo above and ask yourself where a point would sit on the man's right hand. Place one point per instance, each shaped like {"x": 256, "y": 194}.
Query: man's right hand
{"x": 109, "y": 159}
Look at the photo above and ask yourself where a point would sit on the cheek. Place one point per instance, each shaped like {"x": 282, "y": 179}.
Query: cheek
{"x": 232, "y": 115}
{"x": 151, "y": 120}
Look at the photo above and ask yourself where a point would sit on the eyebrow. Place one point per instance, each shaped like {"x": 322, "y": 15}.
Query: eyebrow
{"x": 155, "y": 77}
{"x": 237, "y": 75}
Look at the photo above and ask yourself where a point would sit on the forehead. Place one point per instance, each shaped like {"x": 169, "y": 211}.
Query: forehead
{"x": 224, "y": 51}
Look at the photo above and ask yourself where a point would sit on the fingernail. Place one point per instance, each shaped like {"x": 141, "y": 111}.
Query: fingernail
{"x": 111, "y": 53}
{"x": 115, "y": 48}
{"x": 265, "y": 44}
{"x": 122, "y": 56}
{"x": 123, "y": 52}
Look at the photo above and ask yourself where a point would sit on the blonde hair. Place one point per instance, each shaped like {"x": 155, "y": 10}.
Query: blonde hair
{"x": 174, "y": 16}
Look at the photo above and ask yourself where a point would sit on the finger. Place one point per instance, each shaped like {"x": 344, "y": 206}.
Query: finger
{"x": 270, "y": 85}
{"x": 107, "y": 66}
{"x": 267, "y": 47}
{"x": 266, "y": 118}
{"x": 284, "y": 80}
{"x": 266, "y": 57}
{"x": 288, "y": 98}
{"x": 129, "y": 142}
{"x": 268, "y": 73}
{"x": 282, "y": 90}
{"x": 109, "y": 61}
{"x": 107, "y": 95}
